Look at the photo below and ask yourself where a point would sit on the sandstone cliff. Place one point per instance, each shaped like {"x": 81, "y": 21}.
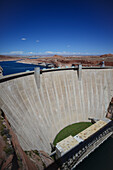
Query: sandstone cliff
{"x": 11, "y": 154}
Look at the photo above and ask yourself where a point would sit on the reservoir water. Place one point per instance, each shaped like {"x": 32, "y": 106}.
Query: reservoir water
{"x": 101, "y": 158}
{"x": 12, "y": 67}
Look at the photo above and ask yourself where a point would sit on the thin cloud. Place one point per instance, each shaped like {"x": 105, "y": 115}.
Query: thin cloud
{"x": 49, "y": 52}
{"x": 59, "y": 52}
{"x": 23, "y": 39}
{"x": 30, "y": 52}
{"x": 16, "y": 52}
{"x": 37, "y": 41}
{"x": 68, "y": 46}
{"x": 69, "y": 53}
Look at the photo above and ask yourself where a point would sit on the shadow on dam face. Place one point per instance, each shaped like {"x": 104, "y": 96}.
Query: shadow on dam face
{"x": 37, "y": 114}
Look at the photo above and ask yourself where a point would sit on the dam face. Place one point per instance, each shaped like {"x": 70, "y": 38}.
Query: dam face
{"x": 37, "y": 114}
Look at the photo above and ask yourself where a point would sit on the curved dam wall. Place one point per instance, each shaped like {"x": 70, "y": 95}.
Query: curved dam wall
{"x": 37, "y": 114}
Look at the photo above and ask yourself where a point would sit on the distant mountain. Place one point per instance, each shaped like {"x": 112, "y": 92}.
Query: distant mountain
{"x": 106, "y": 55}
{"x": 9, "y": 58}
{"x": 58, "y": 56}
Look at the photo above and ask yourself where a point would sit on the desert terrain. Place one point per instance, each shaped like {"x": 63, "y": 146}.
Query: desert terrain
{"x": 62, "y": 61}
{"x": 9, "y": 58}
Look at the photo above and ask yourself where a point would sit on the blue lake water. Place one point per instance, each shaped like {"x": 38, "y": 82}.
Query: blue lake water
{"x": 12, "y": 67}
{"x": 101, "y": 158}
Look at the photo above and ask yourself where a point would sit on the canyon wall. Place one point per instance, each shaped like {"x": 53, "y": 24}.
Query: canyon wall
{"x": 38, "y": 113}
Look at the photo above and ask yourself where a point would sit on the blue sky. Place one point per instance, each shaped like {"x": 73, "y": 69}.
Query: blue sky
{"x": 30, "y": 27}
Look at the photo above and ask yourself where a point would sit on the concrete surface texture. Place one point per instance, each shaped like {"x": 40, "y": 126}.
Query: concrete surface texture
{"x": 38, "y": 114}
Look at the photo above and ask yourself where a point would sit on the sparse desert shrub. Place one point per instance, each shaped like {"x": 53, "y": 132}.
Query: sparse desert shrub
{"x": 36, "y": 152}
{"x": 8, "y": 150}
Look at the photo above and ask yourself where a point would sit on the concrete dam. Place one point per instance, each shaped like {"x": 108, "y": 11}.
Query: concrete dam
{"x": 39, "y": 105}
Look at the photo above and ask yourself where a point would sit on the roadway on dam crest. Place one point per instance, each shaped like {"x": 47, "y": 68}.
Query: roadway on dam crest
{"x": 37, "y": 114}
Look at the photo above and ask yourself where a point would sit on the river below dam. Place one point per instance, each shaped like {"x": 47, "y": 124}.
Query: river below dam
{"x": 101, "y": 158}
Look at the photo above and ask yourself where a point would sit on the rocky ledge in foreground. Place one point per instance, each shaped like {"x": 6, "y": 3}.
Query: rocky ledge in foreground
{"x": 11, "y": 154}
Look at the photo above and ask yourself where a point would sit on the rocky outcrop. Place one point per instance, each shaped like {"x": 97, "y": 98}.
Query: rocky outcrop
{"x": 106, "y": 55}
{"x": 110, "y": 110}
{"x": 11, "y": 154}
{"x": 1, "y": 71}
{"x": 9, "y": 58}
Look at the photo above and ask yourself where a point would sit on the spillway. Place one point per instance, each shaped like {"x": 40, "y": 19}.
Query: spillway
{"x": 37, "y": 111}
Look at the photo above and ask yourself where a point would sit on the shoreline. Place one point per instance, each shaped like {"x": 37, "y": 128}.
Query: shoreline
{"x": 62, "y": 61}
